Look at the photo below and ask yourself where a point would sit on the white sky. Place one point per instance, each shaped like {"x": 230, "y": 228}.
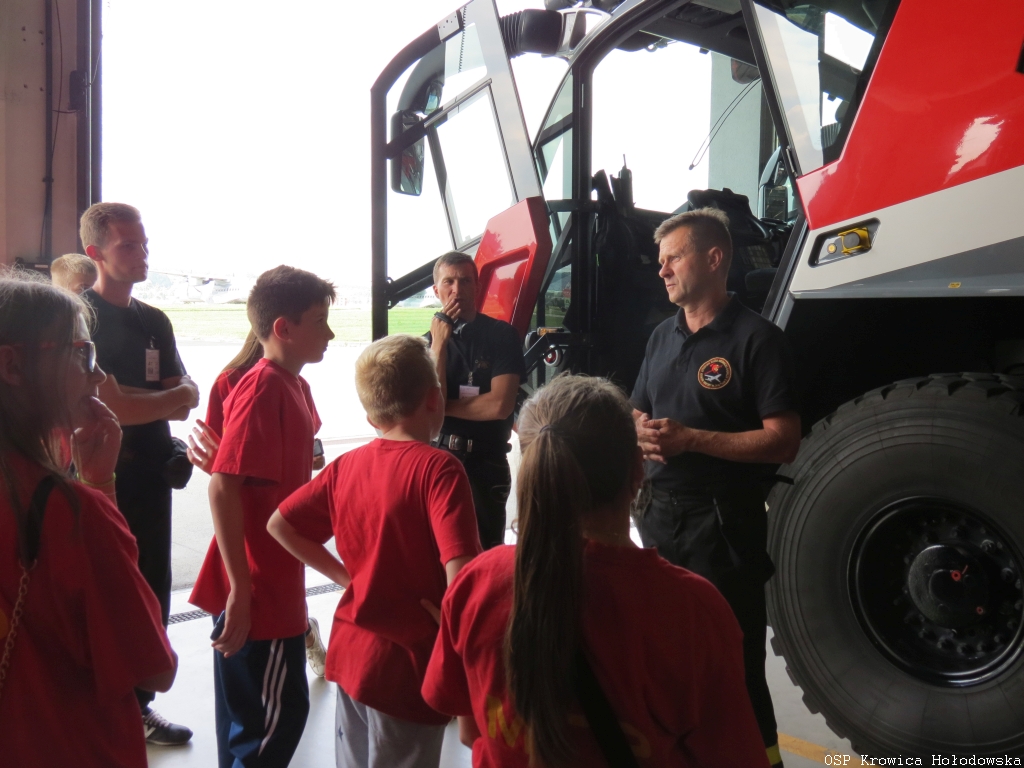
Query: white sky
{"x": 240, "y": 128}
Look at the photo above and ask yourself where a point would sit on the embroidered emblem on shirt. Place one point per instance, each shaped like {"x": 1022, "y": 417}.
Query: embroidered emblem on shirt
{"x": 715, "y": 373}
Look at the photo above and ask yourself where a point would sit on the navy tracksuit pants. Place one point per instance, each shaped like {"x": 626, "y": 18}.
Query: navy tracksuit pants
{"x": 262, "y": 700}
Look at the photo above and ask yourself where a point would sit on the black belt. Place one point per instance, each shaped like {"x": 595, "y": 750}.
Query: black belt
{"x": 454, "y": 443}
{"x": 459, "y": 444}
{"x": 677, "y": 495}
{"x": 721, "y": 487}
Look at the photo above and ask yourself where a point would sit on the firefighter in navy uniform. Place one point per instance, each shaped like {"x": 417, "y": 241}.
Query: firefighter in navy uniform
{"x": 480, "y": 364}
{"x": 715, "y": 408}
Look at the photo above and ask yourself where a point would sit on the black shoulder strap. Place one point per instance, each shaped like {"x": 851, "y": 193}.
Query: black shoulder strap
{"x": 34, "y": 517}
{"x": 603, "y": 722}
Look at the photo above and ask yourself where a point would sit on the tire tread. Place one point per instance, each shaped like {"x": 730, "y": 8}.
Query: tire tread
{"x": 1003, "y": 393}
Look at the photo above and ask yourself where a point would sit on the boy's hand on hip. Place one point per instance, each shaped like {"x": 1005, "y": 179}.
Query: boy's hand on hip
{"x": 237, "y": 623}
{"x": 430, "y": 608}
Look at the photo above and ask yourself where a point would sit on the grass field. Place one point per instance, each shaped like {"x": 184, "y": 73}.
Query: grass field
{"x": 229, "y": 322}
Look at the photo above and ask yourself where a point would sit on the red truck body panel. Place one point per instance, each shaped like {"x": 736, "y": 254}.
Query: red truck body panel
{"x": 945, "y": 105}
{"x": 511, "y": 260}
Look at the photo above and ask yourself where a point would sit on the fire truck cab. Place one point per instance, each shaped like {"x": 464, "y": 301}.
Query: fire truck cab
{"x": 870, "y": 155}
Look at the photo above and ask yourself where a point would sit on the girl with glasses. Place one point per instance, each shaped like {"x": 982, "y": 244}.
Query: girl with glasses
{"x": 69, "y": 583}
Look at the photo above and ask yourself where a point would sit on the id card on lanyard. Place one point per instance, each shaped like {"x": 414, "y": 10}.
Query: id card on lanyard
{"x": 152, "y": 361}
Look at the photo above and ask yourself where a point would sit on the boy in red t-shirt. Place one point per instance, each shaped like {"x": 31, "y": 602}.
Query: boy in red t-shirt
{"x": 205, "y": 439}
{"x": 402, "y": 516}
{"x": 254, "y": 587}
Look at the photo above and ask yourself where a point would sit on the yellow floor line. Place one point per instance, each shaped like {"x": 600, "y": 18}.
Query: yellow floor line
{"x": 805, "y": 749}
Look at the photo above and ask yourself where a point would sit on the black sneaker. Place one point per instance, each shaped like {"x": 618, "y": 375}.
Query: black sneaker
{"x": 162, "y": 733}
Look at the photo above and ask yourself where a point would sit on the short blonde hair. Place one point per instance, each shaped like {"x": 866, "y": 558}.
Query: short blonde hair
{"x": 98, "y": 218}
{"x": 70, "y": 265}
{"x": 393, "y": 375}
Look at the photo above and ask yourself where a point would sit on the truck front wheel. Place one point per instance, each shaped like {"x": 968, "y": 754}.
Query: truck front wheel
{"x": 898, "y": 601}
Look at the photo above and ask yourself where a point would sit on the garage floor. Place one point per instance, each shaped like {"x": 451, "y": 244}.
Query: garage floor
{"x": 190, "y": 702}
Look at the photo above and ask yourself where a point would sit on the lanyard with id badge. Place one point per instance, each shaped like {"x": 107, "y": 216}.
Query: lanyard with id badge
{"x": 152, "y": 361}
{"x": 465, "y": 390}
{"x": 152, "y": 351}
{"x": 468, "y": 390}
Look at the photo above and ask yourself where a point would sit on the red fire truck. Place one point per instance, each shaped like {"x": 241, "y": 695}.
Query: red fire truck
{"x": 870, "y": 154}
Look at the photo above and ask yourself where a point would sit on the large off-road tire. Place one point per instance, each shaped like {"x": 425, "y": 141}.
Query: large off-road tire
{"x": 897, "y": 602}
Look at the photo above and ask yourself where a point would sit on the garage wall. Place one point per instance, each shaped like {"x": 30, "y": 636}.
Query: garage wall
{"x": 23, "y": 132}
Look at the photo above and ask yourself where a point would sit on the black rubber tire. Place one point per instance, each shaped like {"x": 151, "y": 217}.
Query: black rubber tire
{"x": 958, "y": 437}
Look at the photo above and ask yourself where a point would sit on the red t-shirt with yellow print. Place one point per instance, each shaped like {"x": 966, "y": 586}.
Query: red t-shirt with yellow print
{"x": 663, "y": 644}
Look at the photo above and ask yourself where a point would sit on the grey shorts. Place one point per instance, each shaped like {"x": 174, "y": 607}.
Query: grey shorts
{"x": 366, "y": 738}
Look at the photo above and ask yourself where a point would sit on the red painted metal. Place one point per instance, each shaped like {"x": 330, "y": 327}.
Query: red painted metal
{"x": 945, "y": 105}
{"x": 511, "y": 259}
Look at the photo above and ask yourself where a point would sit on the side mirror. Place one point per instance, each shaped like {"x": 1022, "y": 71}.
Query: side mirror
{"x": 407, "y": 168}
{"x": 773, "y": 189}
{"x": 742, "y": 72}
{"x": 548, "y": 32}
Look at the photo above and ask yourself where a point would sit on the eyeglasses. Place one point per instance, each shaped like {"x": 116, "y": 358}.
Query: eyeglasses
{"x": 86, "y": 351}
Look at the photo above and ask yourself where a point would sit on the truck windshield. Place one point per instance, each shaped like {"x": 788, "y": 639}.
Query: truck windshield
{"x": 820, "y": 55}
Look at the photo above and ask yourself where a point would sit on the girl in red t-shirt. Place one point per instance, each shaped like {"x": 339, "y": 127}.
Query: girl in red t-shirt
{"x": 516, "y": 624}
{"x": 69, "y": 582}
{"x": 205, "y": 437}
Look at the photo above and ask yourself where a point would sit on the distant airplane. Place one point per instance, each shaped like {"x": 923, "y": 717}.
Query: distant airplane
{"x": 211, "y": 289}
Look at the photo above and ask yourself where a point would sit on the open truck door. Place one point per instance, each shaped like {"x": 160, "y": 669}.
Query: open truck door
{"x": 452, "y": 169}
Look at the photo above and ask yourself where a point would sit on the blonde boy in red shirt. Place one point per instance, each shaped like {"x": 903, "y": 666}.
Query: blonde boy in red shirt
{"x": 402, "y": 516}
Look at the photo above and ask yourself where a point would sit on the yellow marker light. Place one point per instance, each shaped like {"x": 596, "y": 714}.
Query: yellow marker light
{"x": 855, "y": 240}
{"x": 831, "y": 248}
{"x": 954, "y": 285}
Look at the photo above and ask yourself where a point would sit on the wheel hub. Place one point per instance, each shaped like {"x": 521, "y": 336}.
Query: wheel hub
{"x": 949, "y": 585}
{"x": 937, "y": 588}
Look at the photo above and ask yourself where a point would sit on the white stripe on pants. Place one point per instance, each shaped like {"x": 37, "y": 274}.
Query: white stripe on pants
{"x": 366, "y": 738}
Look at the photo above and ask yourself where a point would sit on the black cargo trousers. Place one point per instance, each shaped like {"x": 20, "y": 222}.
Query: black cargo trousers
{"x": 491, "y": 482}
{"x": 722, "y": 535}
{"x": 144, "y": 498}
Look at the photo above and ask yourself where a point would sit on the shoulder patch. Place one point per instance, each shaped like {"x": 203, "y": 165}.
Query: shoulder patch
{"x": 715, "y": 373}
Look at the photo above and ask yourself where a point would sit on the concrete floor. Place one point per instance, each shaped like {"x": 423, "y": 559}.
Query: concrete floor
{"x": 190, "y": 702}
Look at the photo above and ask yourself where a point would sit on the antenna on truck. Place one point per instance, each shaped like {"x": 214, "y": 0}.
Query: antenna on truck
{"x": 719, "y": 124}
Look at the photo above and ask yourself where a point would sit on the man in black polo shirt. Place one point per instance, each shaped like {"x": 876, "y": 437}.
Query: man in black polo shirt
{"x": 480, "y": 364}
{"x": 146, "y": 385}
{"x": 715, "y": 407}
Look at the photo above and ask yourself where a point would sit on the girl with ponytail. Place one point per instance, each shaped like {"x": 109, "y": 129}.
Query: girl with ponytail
{"x": 205, "y": 438}
{"x": 661, "y": 642}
